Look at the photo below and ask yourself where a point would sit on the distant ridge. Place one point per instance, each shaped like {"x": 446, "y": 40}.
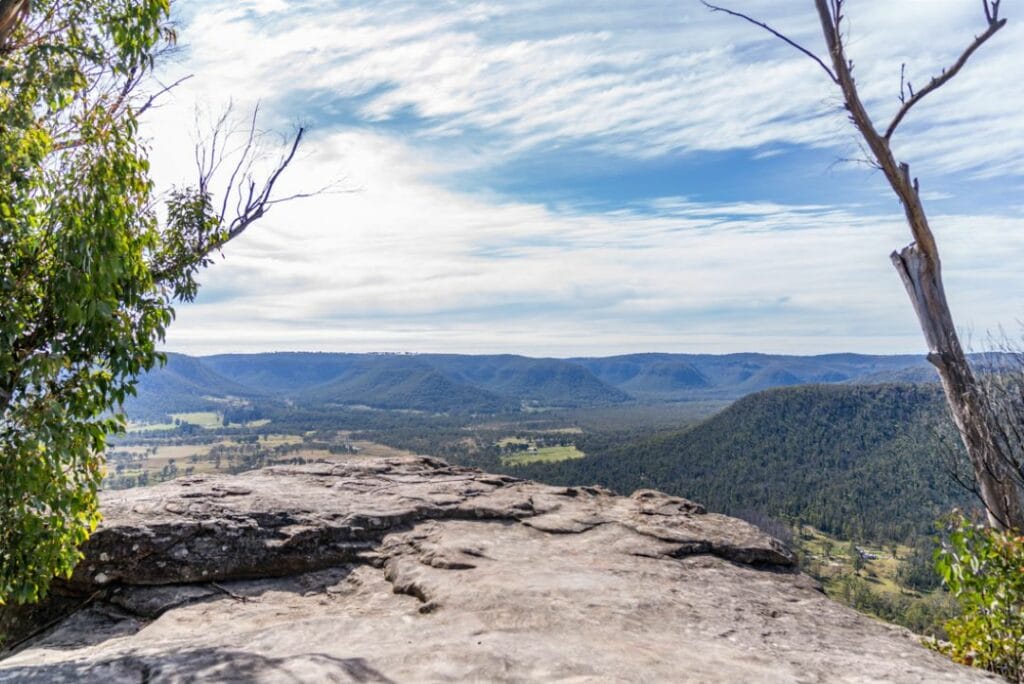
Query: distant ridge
{"x": 282, "y": 372}
{"x": 459, "y": 383}
{"x": 404, "y": 382}
{"x": 551, "y": 382}
{"x": 731, "y": 376}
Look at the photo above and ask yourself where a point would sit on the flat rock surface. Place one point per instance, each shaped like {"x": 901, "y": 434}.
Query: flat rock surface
{"x": 411, "y": 570}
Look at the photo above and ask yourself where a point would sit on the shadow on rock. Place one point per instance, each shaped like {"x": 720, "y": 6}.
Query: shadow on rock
{"x": 202, "y": 665}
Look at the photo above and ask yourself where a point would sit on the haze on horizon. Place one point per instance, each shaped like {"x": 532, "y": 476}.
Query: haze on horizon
{"x": 540, "y": 179}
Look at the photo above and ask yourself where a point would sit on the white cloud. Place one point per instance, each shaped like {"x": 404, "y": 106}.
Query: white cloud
{"x": 405, "y": 263}
{"x": 658, "y": 78}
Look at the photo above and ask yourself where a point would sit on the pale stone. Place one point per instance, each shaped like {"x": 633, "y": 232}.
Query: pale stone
{"x": 410, "y": 570}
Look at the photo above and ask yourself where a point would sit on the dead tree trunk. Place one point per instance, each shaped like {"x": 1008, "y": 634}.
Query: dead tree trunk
{"x": 920, "y": 268}
{"x": 967, "y": 405}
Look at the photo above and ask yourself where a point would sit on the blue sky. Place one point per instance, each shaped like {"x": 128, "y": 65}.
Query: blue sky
{"x": 563, "y": 178}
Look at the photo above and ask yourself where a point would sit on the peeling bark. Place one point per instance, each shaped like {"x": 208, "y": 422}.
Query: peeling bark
{"x": 967, "y": 405}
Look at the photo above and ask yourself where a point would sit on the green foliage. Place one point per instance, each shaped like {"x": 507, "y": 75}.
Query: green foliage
{"x": 923, "y": 615}
{"x": 856, "y": 461}
{"x": 856, "y": 560}
{"x": 984, "y": 569}
{"x": 917, "y": 571}
{"x": 84, "y": 303}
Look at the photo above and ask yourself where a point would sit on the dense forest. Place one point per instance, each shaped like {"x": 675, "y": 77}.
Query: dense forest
{"x": 855, "y": 461}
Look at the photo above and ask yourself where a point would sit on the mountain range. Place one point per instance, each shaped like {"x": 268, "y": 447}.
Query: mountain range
{"x": 452, "y": 383}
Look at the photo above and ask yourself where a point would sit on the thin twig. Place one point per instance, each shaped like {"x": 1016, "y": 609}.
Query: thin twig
{"x": 994, "y": 24}
{"x": 39, "y": 630}
{"x": 241, "y": 162}
{"x": 166, "y": 89}
{"x": 769, "y": 29}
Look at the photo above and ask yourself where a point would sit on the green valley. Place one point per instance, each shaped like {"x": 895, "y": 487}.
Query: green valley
{"x": 831, "y": 467}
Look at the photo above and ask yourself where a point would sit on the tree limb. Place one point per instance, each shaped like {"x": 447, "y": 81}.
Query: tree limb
{"x": 257, "y": 206}
{"x": 898, "y": 175}
{"x": 155, "y": 96}
{"x": 769, "y": 29}
{"x": 994, "y": 24}
{"x": 920, "y": 269}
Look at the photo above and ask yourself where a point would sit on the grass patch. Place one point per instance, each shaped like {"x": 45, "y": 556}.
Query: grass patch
{"x": 871, "y": 585}
{"x": 833, "y": 559}
{"x": 206, "y": 419}
{"x": 551, "y": 454}
{"x": 505, "y": 441}
{"x": 149, "y": 427}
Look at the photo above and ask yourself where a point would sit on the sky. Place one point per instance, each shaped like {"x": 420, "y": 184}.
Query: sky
{"x": 565, "y": 178}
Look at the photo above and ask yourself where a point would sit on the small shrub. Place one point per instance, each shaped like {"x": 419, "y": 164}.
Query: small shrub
{"x": 984, "y": 569}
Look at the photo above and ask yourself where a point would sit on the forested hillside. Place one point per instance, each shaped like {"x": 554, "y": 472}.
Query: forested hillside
{"x": 546, "y": 382}
{"x": 452, "y": 383}
{"x": 404, "y": 382}
{"x": 855, "y": 461}
{"x": 184, "y": 384}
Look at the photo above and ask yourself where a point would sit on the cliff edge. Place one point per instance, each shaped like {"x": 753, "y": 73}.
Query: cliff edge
{"x": 411, "y": 570}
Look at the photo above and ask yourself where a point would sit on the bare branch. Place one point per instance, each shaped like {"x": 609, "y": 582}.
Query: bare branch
{"x": 247, "y": 153}
{"x": 994, "y": 24}
{"x": 332, "y": 188}
{"x": 259, "y": 204}
{"x": 198, "y": 228}
{"x": 154, "y": 97}
{"x": 769, "y": 29}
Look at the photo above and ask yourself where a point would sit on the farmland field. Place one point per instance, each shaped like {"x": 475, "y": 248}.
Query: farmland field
{"x": 551, "y": 454}
{"x": 147, "y": 460}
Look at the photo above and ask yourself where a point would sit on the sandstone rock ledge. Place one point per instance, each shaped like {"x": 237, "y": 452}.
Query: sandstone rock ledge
{"x": 411, "y": 570}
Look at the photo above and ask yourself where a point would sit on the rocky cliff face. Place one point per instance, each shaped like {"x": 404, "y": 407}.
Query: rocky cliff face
{"x": 410, "y": 570}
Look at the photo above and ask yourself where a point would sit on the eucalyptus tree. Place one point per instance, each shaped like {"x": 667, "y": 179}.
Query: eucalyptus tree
{"x": 90, "y": 267}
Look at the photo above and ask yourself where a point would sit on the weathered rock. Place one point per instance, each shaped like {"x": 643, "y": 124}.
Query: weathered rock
{"x": 376, "y": 570}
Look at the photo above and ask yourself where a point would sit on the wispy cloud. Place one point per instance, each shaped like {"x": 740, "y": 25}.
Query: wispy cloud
{"x": 646, "y": 81}
{"x": 405, "y": 264}
{"x": 407, "y": 98}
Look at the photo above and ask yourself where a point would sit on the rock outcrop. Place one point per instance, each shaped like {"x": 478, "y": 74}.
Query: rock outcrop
{"x": 411, "y": 570}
